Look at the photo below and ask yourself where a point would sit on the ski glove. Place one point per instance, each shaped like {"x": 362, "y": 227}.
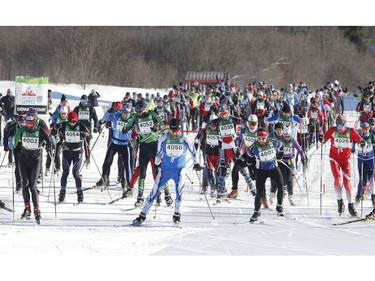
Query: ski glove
{"x": 321, "y": 138}
{"x": 10, "y": 143}
{"x": 363, "y": 143}
{"x": 197, "y": 167}
{"x": 95, "y": 130}
{"x": 52, "y": 139}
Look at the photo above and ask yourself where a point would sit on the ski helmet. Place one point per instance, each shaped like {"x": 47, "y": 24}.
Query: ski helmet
{"x": 371, "y": 121}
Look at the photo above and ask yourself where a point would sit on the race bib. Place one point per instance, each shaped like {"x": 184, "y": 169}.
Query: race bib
{"x": 30, "y": 143}
{"x": 84, "y": 115}
{"x": 175, "y": 150}
{"x": 72, "y": 136}
{"x": 145, "y": 126}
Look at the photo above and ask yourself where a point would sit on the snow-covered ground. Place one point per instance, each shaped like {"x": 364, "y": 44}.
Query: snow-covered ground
{"x": 94, "y": 237}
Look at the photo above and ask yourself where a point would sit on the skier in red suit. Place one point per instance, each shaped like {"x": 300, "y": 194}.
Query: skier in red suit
{"x": 341, "y": 138}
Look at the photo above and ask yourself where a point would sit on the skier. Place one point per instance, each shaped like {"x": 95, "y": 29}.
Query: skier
{"x": 86, "y": 113}
{"x": 72, "y": 134}
{"x": 10, "y": 131}
{"x": 263, "y": 156}
{"x": 316, "y": 120}
{"x": 62, "y": 117}
{"x": 146, "y": 124}
{"x": 120, "y": 144}
{"x": 365, "y": 161}
{"x": 208, "y": 140}
{"x": 341, "y": 138}
{"x": 287, "y": 165}
{"x": 227, "y": 126}
{"x": 28, "y": 143}
{"x": 171, "y": 161}
{"x": 246, "y": 139}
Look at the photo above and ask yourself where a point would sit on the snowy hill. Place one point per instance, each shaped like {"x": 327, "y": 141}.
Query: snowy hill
{"x": 97, "y": 234}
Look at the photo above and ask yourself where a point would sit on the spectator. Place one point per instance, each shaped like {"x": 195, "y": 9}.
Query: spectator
{"x": 93, "y": 98}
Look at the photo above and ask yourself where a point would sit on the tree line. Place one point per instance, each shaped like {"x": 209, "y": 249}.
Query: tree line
{"x": 159, "y": 57}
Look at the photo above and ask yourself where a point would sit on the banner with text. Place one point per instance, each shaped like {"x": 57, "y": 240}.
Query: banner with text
{"x": 32, "y": 92}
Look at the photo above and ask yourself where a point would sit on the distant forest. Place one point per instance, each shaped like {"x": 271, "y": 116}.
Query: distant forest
{"x": 159, "y": 57}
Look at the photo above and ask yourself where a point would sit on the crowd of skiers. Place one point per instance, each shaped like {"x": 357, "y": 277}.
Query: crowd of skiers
{"x": 259, "y": 132}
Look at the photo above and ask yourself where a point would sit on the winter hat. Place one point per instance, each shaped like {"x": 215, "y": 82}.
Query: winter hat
{"x": 63, "y": 98}
{"x": 174, "y": 124}
{"x": 262, "y": 133}
{"x": 84, "y": 97}
{"x": 286, "y": 108}
{"x": 72, "y": 117}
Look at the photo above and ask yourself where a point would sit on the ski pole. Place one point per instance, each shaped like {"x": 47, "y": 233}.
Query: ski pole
{"x": 52, "y": 181}
{"x": 362, "y": 182}
{"x": 305, "y": 183}
{"x": 321, "y": 178}
{"x": 3, "y": 159}
{"x": 204, "y": 193}
{"x": 189, "y": 178}
{"x": 90, "y": 151}
{"x": 13, "y": 187}
{"x": 96, "y": 165}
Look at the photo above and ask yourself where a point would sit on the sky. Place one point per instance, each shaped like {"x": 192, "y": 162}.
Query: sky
{"x": 94, "y": 240}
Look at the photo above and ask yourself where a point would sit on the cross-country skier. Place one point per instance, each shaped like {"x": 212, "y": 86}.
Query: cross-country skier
{"x": 73, "y": 135}
{"x": 263, "y": 155}
{"x": 28, "y": 141}
{"x": 171, "y": 158}
{"x": 342, "y": 138}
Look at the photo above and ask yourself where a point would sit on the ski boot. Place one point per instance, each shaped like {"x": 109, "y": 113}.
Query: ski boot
{"x": 272, "y": 197}
{"x": 176, "y": 218}
{"x": 37, "y": 216}
{"x": 352, "y": 210}
{"x": 62, "y": 195}
{"x": 168, "y": 198}
{"x": 128, "y": 192}
{"x": 46, "y": 173}
{"x": 357, "y": 199}
{"x": 140, "y": 199}
{"x": 141, "y": 218}
{"x": 80, "y": 196}
{"x": 123, "y": 184}
{"x": 280, "y": 210}
{"x": 204, "y": 189}
{"x": 18, "y": 188}
{"x": 340, "y": 206}
{"x": 254, "y": 217}
{"x": 233, "y": 194}
{"x": 371, "y": 216}
{"x": 26, "y": 213}
{"x": 290, "y": 198}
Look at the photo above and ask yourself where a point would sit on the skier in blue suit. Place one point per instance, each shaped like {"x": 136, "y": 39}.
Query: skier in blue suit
{"x": 170, "y": 161}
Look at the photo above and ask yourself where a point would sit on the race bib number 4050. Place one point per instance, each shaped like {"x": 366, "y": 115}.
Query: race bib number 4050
{"x": 175, "y": 150}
